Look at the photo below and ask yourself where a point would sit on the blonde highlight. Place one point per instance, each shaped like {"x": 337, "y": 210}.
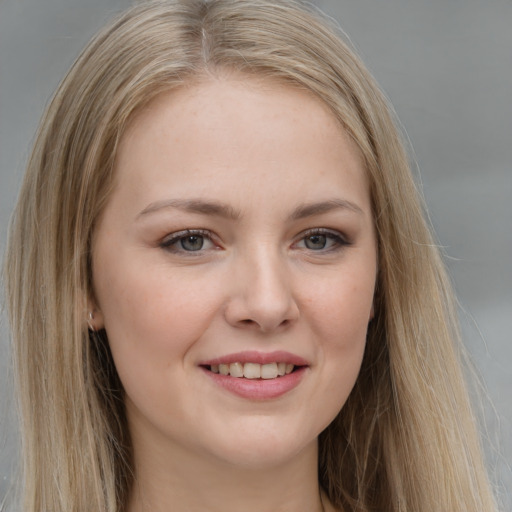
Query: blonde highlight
{"x": 405, "y": 440}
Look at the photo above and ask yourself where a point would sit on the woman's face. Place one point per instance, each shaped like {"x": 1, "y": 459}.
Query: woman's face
{"x": 239, "y": 240}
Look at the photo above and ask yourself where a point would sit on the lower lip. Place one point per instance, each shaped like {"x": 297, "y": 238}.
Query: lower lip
{"x": 258, "y": 389}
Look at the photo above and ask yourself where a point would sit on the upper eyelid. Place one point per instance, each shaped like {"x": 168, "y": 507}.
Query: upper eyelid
{"x": 338, "y": 239}
{"x": 187, "y": 231}
{"x": 170, "y": 238}
{"x": 323, "y": 231}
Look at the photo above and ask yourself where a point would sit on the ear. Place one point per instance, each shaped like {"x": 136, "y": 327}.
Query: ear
{"x": 95, "y": 320}
{"x": 372, "y": 313}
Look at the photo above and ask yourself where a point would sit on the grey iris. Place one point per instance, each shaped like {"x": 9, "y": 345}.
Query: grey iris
{"x": 315, "y": 242}
{"x": 192, "y": 243}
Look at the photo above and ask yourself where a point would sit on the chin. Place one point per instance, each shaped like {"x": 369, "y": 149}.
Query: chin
{"x": 255, "y": 459}
{"x": 257, "y": 447}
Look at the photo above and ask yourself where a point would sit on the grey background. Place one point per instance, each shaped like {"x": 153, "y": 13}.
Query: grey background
{"x": 446, "y": 66}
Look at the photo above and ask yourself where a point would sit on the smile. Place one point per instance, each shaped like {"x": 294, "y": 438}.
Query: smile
{"x": 256, "y": 375}
{"x": 253, "y": 370}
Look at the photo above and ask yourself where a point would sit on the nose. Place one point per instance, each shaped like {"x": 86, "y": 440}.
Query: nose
{"x": 261, "y": 295}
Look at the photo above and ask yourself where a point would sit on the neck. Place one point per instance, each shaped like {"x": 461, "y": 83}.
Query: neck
{"x": 184, "y": 481}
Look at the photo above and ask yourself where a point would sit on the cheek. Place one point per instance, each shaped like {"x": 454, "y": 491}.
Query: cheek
{"x": 341, "y": 311}
{"x": 152, "y": 318}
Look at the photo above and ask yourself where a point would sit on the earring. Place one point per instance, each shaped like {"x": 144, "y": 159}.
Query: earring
{"x": 90, "y": 318}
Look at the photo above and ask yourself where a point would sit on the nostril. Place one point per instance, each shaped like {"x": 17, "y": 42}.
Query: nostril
{"x": 250, "y": 323}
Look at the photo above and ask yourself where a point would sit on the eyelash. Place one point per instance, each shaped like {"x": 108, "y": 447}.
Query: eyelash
{"x": 170, "y": 242}
{"x": 338, "y": 239}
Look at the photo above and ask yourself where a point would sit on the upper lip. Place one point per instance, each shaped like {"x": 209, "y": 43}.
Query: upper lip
{"x": 254, "y": 356}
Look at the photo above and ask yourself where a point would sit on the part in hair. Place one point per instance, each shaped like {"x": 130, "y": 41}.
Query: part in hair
{"x": 404, "y": 441}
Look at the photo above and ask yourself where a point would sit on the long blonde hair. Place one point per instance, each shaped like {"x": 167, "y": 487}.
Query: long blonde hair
{"x": 404, "y": 441}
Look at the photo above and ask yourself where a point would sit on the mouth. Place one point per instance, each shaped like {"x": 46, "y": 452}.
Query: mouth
{"x": 255, "y": 365}
{"x": 251, "y": 370}
{"x": 256, "y": 375}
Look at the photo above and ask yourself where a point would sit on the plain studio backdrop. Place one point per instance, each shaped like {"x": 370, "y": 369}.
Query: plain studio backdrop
{"x": 446, "y": 65}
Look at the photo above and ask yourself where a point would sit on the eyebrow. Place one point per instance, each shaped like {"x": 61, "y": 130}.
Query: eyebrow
{"x": 309, "y": 210}
{"x": 194, "y": 206}
{"x": 205, "y": 207}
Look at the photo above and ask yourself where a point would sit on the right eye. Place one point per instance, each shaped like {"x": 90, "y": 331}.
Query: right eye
{"x": 190, "y": 240}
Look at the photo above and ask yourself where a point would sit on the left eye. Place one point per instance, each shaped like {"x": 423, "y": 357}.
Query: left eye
{"x": 192, "y": 242}
{"x": 316, "y": 242}
{"x": 321, "y": 241}
{"x": 188, "y": 241}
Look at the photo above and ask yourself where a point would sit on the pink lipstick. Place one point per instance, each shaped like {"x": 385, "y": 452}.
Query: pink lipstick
{"x": 257, "y": 375}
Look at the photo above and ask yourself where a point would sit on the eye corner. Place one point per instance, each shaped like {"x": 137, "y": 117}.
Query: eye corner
{"x": 189, "y": 242}
{"x": 322, "y": 240}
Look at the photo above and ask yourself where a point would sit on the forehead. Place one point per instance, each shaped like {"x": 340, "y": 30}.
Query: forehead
{"x": 203, "y": 99}
{"x": 237, "y": 129}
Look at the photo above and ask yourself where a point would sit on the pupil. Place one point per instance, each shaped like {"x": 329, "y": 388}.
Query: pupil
{"x": 316, "y": 241}
{"x": 192, "y": 243}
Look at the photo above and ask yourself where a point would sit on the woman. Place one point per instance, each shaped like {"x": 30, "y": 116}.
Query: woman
{"x": 222, "y": 289}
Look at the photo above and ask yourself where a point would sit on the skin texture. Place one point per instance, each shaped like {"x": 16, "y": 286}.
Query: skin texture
{"x": 261, "y": 281}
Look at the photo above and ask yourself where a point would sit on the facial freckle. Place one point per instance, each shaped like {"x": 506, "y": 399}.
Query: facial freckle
{"x": 252, "y": 167}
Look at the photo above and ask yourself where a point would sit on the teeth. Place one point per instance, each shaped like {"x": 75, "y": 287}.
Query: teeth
{"x": 236, "y": 369}
{"x": 253, "y": 370}
{"x": 269, "y": 371}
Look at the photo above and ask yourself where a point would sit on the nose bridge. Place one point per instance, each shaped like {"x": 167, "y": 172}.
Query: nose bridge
{"x": 263, "y": 294}
{"x": 269, "y": 280}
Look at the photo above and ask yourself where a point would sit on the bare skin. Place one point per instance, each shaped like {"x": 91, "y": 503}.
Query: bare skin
{"x": 240, "y": 224}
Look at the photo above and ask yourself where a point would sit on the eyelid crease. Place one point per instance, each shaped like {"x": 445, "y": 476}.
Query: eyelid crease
{"x": 340, "y": 239}
{"x": 173, "y": 238}
{"x": 170, "y": 241}
{"x": 325, "y": 231}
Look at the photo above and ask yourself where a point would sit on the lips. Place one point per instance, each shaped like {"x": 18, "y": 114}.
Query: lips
{"x": 255, "y": 364}
{"x": 257, "y": 375}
